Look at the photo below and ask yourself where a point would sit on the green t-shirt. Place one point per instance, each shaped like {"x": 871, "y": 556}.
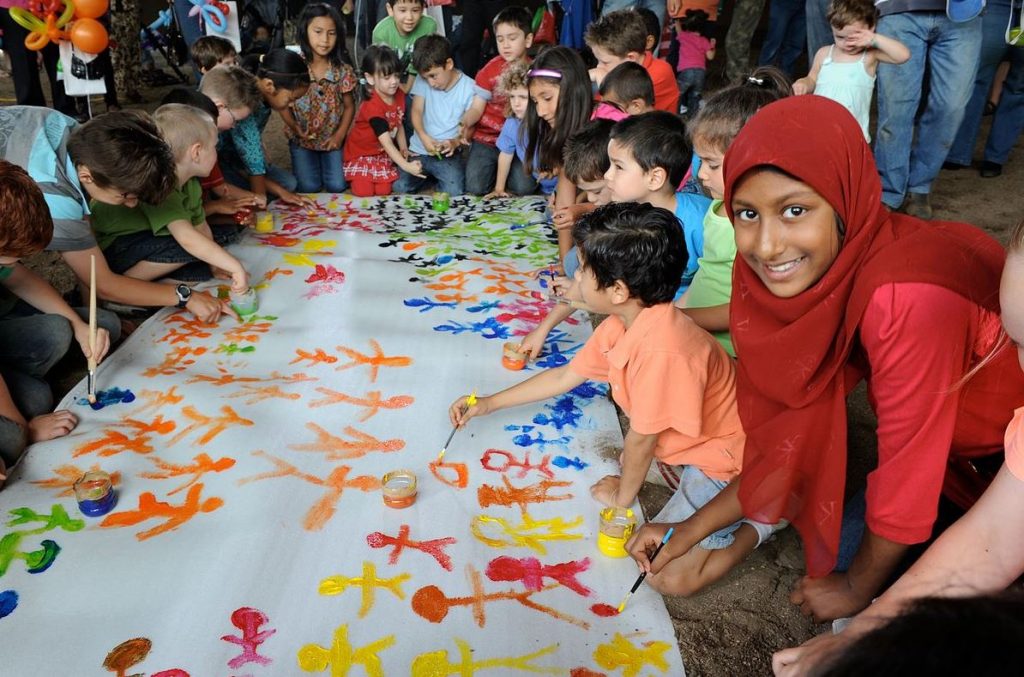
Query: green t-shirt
{"x": 386, "y": 33}
{"x": 183, "y": 204}
{"x": 712, "y": 285}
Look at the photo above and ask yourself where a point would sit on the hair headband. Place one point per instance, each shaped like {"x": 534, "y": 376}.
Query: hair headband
{"x": 543, "y": 73}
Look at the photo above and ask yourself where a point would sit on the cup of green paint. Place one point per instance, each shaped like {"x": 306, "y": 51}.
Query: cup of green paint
{"x": 245, "y": 303}
{"x": 441, "y": 202}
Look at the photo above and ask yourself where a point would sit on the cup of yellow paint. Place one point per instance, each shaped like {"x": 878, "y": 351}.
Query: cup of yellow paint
{"x": 265, "y": 223}
{"x": 617, "y": 525}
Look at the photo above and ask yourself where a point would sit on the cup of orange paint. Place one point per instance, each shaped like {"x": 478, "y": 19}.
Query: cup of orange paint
{"x": 399, "y": 488}
{"x": 511, "y": 358}
{"x": 617, "y": 525}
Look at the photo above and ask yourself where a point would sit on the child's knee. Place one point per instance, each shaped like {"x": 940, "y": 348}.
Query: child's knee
{"x": 676, "y": 584}
{"x": 382, "y": 188}
{"x": 362, "y": 187}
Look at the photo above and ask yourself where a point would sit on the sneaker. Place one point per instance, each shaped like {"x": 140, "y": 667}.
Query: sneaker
{"x": 952, "y": 166}
{"x": 990, "y": 170}
{"x": 919, "y": 205}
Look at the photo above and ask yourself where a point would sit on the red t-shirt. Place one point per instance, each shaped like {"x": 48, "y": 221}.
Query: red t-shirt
{"x": 489, "y": 126}
{"x": 216, "y": 178}
{"x": 918, "y": 341}
{"x": 362, "y": 140}
{"x": 666, "y": 91}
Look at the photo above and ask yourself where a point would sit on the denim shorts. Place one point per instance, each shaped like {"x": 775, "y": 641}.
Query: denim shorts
{"x": 695, "y": 490}
{"x": 128, "y": 250}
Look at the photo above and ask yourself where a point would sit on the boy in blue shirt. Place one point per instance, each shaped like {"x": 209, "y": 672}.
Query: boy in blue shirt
{"x": 442, "y": 107}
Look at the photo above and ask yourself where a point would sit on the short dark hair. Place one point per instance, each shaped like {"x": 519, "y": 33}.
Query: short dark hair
{"x": 339, "y": 55}
{"x": 619, "y": 33}
{"x": 629, "y": 80}
{"x": 586, "y": 152}
{"x": 207, "y": 51}
{"x": 516, "y": 16}
{"x": 421, "y": 3}
{"x": 27, "y": 227}
{"x": 656, "y": 139}
{"x": 283, "y": 67}
{"x": 640, "y": 244}
{"x": 723, "y": 114}
{"x": 430, "y": 51}
{"x": 842, "y": 13}
{"x": 191, "y": 97}
{"x": 124, "y": 150}
{"x": 652, "y": 22}
{"x": 380, "y": 60}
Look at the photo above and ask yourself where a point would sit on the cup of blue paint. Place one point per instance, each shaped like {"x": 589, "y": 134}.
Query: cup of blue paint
{"x": 95, "y": 493}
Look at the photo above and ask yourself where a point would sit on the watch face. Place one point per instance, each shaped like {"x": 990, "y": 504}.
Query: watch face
{"x": 184, "y": 292}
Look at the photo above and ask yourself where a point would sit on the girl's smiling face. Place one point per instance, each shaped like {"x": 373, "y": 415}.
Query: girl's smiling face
{"x": 544, "y": 95}
{"x": 785, "y": 231}
{"x": 322, "y": 35}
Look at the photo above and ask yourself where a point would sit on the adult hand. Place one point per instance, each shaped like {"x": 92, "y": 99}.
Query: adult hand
{"x": 606, "y": 490}
{"x": 459, "y": 414}
{"x": 672, "y": 7}
{"x": 51, "y": 426}
{"x": 828, "y": 598}
{"x": 806, "y": 658}
{"x": 643, "y": 544}
{"x": 102, "y": 340}
{"x": 207, "y": 308}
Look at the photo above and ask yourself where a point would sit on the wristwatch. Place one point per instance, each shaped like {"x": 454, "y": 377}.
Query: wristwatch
{"x": 184, "y": 293}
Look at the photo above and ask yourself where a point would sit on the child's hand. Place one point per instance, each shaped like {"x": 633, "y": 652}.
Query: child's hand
{"x": 862, "y": 38}
{"x": 643, "y": 544}
{"x": 102, "y": 341}
{"x": 334, "y": 143}
{"x": 496, "y": 193}
{"x": 414, "y": 167}
{"x": 448, "y": 147}
{"x": 290, "y": 198}
{"x": 430, "y": 145}
{"x": 565, "y": 287}
{"x": 240, "y": 281}
{"x": 51, "y": 426}
{"x": 606, "y": 491}
{"x": 459, "y": 414}
{"x": 533, "y": 343}
{"x": 801, "y": 87}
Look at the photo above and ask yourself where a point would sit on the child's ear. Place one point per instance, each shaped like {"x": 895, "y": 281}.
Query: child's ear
{"x": 529, "y": 40}
{"x": 194, "y": 151}
{"x": 620, "y": 292}
{"x": 634, "y": 57}
{"x": 656, "y": 178}
{"x": 449, "y": 64}
{"x": 84, "y": 175}
{"x": 391, "y": 11}
{"x": 636, "y": 107}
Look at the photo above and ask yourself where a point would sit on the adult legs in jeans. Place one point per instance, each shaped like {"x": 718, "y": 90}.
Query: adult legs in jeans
{"x": 28, "y": 90}
{"x": 1008, "y": 121}
{"x": 481, "y": 168}
{"x": 993, "y": 49}
{"x": 317, "y": 170}
{"x": 659, "y": 7}
{"x": 819, "y": 32}
{"x": 951, "y": 52}
{"x": 784, "y": 42}
{"x": 30, "y": 346}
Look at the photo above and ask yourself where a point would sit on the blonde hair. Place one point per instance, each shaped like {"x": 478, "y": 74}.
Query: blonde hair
{"x": 233, "y": 86}
{"x": 513, "y": 77}
{"x": 181, "y": 126}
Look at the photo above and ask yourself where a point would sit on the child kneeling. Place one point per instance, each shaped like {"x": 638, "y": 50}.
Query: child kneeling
{"x": 673, "y": 380}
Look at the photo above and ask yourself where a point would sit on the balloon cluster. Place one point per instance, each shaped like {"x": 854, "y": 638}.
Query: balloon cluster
{"x": 54, "y": 20}
{"x": 212, "y": 12}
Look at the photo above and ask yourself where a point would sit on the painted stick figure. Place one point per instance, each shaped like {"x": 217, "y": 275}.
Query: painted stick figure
{"x": 150, "y": 508}
{"x": 367, "y": 583}
{"x": 434, "y": 547}
{"x": 342, "y": 656}
{"x": 249, "y": 621}
{"x": 436, "y": 663}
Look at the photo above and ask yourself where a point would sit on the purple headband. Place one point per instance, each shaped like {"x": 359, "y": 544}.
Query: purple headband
{"x": 543, "y": 73}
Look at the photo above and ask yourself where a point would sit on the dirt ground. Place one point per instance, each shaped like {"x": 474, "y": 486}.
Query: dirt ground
{"x": 732, "y": 628}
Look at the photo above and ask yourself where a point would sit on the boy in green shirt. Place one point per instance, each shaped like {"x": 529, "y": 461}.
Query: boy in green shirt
{"x": 148, "y": 242}
{"x": 404, "y": 26}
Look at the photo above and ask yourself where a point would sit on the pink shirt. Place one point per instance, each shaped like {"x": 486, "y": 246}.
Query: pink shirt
{"x": 693, "y": 48}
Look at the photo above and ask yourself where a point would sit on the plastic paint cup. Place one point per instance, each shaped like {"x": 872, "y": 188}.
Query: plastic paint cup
{"x": 617, "y": 525}
{"x": 245, "y": 303}
{"x": 399, "y": 488}
{"x": 95, "y": 493}
{"x": 265, "y": 223}
{"x": 511, "y": 358}
{"x": 441, "y": 202}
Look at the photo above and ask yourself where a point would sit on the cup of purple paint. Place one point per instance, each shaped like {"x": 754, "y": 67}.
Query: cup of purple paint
{"x": 94, "y": 492}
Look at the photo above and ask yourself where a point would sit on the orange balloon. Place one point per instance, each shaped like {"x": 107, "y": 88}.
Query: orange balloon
{"x": 90, "y": 9}
{"x": 88, "y": 35}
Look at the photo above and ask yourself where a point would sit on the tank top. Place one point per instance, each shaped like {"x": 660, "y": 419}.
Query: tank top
{"x": 849, "y": 84}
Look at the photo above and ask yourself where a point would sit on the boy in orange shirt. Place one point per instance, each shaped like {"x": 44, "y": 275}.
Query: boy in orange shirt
{"x": 622, "y": 36}
{"x": 673, "y": 380}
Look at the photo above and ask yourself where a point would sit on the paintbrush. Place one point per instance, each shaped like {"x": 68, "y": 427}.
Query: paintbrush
{"x": 91, "y": 378}
{"x": 641, "y": 577}
{"x": 540, "y": 296}
{"x": 470, "y": 401}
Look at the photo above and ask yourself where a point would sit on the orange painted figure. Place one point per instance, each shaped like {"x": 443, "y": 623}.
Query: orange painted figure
{"x": 437, "y": 664}
{"x": 431, "y": 603}
{"x": 216, "y": 424}
{"x": 374, "y": 361}
{"x": 65, "y": 476}
{"x": 156, "y": 399}
{"x": 260, "y": 393}
{"x": 248, "y": 332}
{"x": 335, "y": 484}
{"x": 316, "y": 357}
{"x": 201, "y": 464}
{"x": 274, "y": 272}
{"x": 434, "y": 547}
{"x": 461, "y": 473}
{"x": 342, "y": 656}
{"x": 115, "y": 442}
{"x": 175, "y": 361}
{"x": 150, "y": 508}
{"x": 226, "y": 378}
{"x": 367, "y": 583}
{"x": 338, "y": 449}
{"x": 372, "y": 401}
{"x": 509, "y": 495}
{"x": 621, "y": 654}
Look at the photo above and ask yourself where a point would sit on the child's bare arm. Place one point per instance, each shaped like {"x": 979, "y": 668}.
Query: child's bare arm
{"x": 548, "y": 383}
{"x": 887, "y": 50}
{"x": 414, "y": 167}
{"x": 416, "y": 114}
{"x": 349, "y": 113}
{"x": 504, "y": 167}
{"x": 470, "y": 118}
{"x": 205, "y": 249}
{"x": 806, "y": 84}
{"x": 565, "y": 196}
{"x": 710, "y": 318}
{"x": 637, "y": 455}
{"x": 291, "y": 123}
{"x": 710, "y": 54}
{"x": 533, "y": 343}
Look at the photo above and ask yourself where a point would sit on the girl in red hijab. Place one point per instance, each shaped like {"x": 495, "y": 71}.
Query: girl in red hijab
{"x": 830, "y": 288}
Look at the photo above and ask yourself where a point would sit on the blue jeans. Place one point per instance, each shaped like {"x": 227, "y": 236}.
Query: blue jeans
{"x": 787, "y": 33}
{"x": 448, "y": 171}
{"x": 819, "y": 32}
{"x": 127, "y": 250}
{"x": 482, "y": 172}
{"x": 1009, "y": 116}
{"x": 659, "y": 7}
{"x": 317, "y": 170}
{"x": 908, "y": 163}
{"x": 274, "y": 173}
{"x": 691, "y": 86}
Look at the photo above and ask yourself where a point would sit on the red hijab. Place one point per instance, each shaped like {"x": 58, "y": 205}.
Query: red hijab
{"x": 794, "y": 371}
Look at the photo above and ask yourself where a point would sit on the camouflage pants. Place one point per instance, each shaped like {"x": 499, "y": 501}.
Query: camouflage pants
{"x": 125, "y": 50}
{"x": 745, "y": 16}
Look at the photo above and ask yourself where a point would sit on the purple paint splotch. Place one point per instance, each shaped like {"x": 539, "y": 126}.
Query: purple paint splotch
{"x": 106, "y": 398}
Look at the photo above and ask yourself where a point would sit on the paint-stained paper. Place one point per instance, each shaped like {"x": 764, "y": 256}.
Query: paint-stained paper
{"x": 250, "y": 535}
